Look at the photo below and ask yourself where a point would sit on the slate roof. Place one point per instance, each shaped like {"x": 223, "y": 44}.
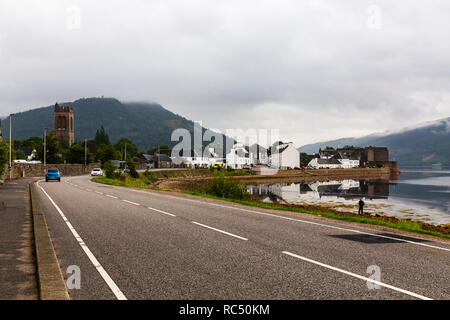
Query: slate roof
{"x": 328, "y": 161}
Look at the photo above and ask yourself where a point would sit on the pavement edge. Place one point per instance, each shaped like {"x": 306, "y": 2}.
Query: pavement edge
{"x": 50, "y": 280}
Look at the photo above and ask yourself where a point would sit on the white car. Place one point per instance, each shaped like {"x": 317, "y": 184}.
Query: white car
{"x": 97, "y": 172}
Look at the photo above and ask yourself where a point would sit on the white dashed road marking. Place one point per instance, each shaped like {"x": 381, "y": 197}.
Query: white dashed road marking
{"x": 110, "y": 282}
{"x": 218, "y": 230}
{"x": 291, "y": 219}
{"x": 169, "y": 214}
{"x": 136, "y": 204}
{"x": 358, "y": 276}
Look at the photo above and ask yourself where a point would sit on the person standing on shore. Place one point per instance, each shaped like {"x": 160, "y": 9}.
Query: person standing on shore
{"x": 361, "y": 206}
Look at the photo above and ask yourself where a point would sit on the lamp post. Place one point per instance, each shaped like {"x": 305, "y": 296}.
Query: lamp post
{"x": 10, "y": 145}
{"x": 85, "y": 154}
{"x": 45, "y": 147}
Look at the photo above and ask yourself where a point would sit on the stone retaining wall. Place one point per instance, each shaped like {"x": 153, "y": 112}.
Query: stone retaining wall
{"x": 20, "y": 170}
{"x": 354, "y": 172}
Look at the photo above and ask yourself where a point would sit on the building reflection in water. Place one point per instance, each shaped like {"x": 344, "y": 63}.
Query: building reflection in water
{"x": 347, "y": 189}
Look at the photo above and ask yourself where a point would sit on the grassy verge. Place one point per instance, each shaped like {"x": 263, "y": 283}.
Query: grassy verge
{"x": 390, "y": 222}
{"x": 127, "y": 182}
{"x": 406, "y": 225}
{"x": 191, "y": 173}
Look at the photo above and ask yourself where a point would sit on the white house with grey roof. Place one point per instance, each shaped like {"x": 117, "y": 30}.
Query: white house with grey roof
{"x": 198, "y": 158}
{"x": 334, "y": 160}
{"x": 238, "y": 157}
{"x": 286, "y": 156}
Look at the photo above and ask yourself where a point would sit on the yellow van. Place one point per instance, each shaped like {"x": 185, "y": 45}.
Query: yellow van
{"x": 218, "y": 165}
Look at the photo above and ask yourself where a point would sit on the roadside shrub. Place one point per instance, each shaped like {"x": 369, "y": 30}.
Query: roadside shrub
{"x": 132, "y": 167}
{"x": 4, "y": 154}
{"x": 227, "y": 188}
{"x": 150, "y": 176}
{"x": 109, "y": 169}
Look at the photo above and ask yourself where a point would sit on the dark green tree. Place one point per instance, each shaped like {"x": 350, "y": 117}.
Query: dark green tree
{"x": 20, "y": 155}
{"x": 53, "y": 149}
{"x": 76, "y": 154}
{"x": 304, "y": 159}
{"x": 106, "y": 153}
{"x": 101, "y": 137}
{"x": 109, "y": 169}
{"x": 132, "y": 167}
{"x": 131, "y": 148}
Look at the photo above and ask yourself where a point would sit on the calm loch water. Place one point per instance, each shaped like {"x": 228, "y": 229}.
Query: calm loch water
{"x": 419, "y": 194}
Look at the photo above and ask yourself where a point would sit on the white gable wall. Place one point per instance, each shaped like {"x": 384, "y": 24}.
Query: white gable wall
{"x": 289, "y": 158}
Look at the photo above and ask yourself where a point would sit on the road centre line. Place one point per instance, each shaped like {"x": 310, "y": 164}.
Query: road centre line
{"x": 109, "y": 281}
{"x": 358, "y": 276}
{"x": 134, "y": 203}
{"x": 218, "y": 230}
{"x": 169, "y": 214}
{"x": 110, "y": 196}
{"x": 293, "y": 219}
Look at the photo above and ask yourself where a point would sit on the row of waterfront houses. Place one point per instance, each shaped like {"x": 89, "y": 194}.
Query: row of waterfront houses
{"x": 285, "y": 156}
{"x": 240, "y": 156}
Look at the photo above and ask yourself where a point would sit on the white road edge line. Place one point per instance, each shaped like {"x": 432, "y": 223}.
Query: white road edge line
{"x": 110, "y": 282}
{"x": 218, "y": 230}
{"x": 293, "y": 219}
{"x": 169, "y": 214}
{"x": 358, "y": 276}
{"x": 136, "y": 204}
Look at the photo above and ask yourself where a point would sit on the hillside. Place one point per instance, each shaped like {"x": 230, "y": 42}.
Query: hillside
{"x": 424, "y": 144}
{"x": 146, "y": 124}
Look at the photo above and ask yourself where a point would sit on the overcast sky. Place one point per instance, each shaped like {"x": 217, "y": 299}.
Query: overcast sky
{"x": 316, "y": 70}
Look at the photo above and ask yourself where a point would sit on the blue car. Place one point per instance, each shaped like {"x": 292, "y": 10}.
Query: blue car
{"x": 52, "y": 174}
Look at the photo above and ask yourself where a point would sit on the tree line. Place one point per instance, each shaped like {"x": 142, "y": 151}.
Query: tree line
{"x": 99, "y": 149}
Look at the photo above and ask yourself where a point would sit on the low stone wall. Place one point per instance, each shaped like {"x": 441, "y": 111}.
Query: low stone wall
{"x": 314, "y": 174}
{"x": 20, "y": 170}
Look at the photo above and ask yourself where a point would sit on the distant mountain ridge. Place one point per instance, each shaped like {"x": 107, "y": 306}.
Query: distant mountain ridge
{"x": 424, "y": 144}
{"x": 146, "y": 124}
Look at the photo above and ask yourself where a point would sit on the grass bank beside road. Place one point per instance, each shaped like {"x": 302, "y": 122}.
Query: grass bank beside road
{"x": 226, "y": 188}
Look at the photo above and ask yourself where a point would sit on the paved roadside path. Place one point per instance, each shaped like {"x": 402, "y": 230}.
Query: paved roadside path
{"x": 17, "y": 263}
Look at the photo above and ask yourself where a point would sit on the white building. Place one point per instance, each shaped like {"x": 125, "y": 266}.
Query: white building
{"x": 238, "y": 157}
{"x": 285, "y": 157}
{"x": 197, "y": 159}
{"x": 334, "y": 162}
{"x": 258, "y": 155}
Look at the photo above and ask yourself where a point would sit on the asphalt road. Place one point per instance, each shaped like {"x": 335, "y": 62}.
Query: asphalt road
{"x": 138, "y": 244}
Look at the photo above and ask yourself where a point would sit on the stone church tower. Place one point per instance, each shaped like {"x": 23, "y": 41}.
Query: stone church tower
{"x": 64, "y": 124}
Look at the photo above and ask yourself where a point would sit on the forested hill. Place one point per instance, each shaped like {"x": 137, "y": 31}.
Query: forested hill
{"x": 424, "y": 144}
{"x": 146, "y": 124}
